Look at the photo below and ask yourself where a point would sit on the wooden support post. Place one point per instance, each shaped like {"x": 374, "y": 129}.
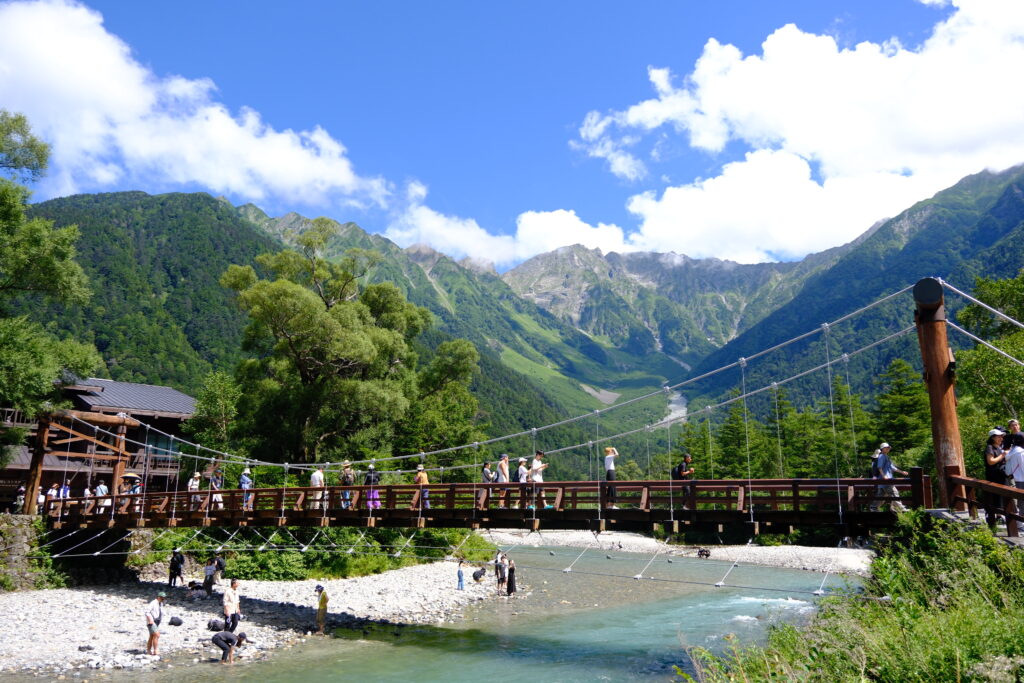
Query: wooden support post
{"x": 939, "y": 367}
{"x": 35, "y": 472}
{"x": 954, "y": 491}
{"x": 122, "y": 458}
{"x": 916, "y": 487}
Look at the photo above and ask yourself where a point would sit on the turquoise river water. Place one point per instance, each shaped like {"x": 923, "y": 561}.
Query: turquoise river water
{"x": 594, "y": 623}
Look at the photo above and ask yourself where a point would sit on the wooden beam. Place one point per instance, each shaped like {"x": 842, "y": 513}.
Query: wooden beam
{"x": 35, "y": 471}
{"x": 99, "y": 418}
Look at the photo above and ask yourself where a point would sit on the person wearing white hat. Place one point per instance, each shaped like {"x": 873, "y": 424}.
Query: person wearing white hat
{"x": 193, "y": 485}
{"x": 422, "y": 480}
{"x": 245, "y": 483}
{"x": 882, "y": 467}
{"x": 995, "y": 459}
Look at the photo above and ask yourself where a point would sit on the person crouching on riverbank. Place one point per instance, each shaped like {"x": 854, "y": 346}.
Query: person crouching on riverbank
{"x": 154, "y": 615}
{"x": 321, "y": 610}
{"x": 227, "y": 642}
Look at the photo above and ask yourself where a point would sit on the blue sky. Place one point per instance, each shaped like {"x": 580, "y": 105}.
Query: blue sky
{"x": 501, "y": 131}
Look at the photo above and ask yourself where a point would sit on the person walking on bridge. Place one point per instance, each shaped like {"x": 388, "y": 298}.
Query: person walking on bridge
{"x": 348, "y": 478}
{"x": 372, "y": 480}
{"x": 995, "y": 458}
{"x": 882, "y": 467}
{"x": 502, "y": 477}
{"x": 245, "y": 483}
{"x": 610, "y": 453}
{"x": 316, "y": 480}
{"x": 422, "y": 480}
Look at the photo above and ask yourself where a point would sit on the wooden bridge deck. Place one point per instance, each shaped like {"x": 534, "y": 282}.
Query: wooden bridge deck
{"x": 766, "y": 504}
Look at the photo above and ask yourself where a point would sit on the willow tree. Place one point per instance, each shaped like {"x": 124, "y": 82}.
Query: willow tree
{"x": 333, "y": 372}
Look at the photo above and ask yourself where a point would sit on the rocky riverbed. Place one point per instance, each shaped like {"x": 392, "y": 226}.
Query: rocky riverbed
{"x": 840, "y": 560}
{"x": 76, "y": 631}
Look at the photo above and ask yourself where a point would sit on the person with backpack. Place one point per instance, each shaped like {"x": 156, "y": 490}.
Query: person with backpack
{"x": 348, "y": 478}
{"x": 177, "y": 565}
{"x": 218, "y": 566}
{"x": 373, "y": 494}
{"x": 684, "y": 472}
{"x": 882, "y": 467}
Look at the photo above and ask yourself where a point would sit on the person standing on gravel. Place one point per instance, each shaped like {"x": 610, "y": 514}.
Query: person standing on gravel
{"x": 154, "y": 614}
{"x": 219, "y": 565}
{"x": 321, "y": 609}
{"x": 232, "y": 607}
{"x": 461, "y": 577}
{"x": 208, "y": 572}
{"x": 175, "y": 569}
{"x": 228, "y": 642}
{"x": 510, "y": 581}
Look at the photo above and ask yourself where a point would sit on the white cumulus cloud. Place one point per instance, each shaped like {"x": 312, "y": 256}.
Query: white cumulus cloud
{"x": 838, "y": 137}
{"x": 536, "y": 232}
{"x": 111, "y": 119}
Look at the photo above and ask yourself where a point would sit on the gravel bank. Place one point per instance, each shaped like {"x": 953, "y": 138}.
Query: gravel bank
{"x": 841, "y": 560}
{"x": 102, "y": 627}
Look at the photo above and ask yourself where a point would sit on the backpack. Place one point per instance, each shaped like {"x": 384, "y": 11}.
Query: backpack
{"x": 875, "y": 472}
{"x": 220, "y": 565}
{"x": 215, "y": 625}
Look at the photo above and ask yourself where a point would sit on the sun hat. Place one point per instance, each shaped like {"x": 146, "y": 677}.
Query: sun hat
{"x": 371, "y": 466}
{"x": 196, "y": 475}
{"x": 246, "y": 471}
{"x": 884, "y": 445}
{"x": 318, "y": 589}
{"x": 504, "y": 456}
{"x": 346, "y": 464}
{"x": 419, "y": 467}
{"x": 522, "y": 459}
{"x": 161, "y": 594}
{"x": 996, "y": 432}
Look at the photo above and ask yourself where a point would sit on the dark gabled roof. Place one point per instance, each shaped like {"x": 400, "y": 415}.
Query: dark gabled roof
{"x": 134, "y": 399}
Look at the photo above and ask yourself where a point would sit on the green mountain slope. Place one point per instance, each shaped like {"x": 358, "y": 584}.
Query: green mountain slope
{"x": 158, "y": 313}
{"x": 974, "y": 228}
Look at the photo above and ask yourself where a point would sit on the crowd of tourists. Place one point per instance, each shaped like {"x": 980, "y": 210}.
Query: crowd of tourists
{"x": 1004, "y": 464}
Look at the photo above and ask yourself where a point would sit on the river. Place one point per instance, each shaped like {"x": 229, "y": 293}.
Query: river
{"x": 594, "y": 623}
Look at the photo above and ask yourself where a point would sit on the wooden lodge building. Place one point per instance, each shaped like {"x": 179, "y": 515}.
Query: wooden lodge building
{"x": 75, "y": 448}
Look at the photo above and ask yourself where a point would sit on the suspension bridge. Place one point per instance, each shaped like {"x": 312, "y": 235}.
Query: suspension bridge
{"x": 854, "y": 505}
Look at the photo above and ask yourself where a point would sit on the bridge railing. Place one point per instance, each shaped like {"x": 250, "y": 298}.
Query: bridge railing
{"x": 591, "y": 499}
{"x": 996, "y": 498}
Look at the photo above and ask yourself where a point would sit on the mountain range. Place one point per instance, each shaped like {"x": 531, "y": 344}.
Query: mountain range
{"x": 563, "y": 333}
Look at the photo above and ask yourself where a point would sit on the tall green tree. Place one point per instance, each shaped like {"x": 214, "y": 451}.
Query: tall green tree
{"x": 994, "y": 381}
{"x": 36, "y": 260}
{"x": 333, "y": 372}
{"x": 216, "y": 409}
{"x": 903, "y": 418}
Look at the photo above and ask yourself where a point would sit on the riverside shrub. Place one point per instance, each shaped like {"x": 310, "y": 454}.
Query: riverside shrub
{"x": 944, "y": 602}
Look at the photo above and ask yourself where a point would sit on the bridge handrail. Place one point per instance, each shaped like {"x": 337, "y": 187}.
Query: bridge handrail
{"x": 796, "y": 495}
{"x": 962, "y": 493}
